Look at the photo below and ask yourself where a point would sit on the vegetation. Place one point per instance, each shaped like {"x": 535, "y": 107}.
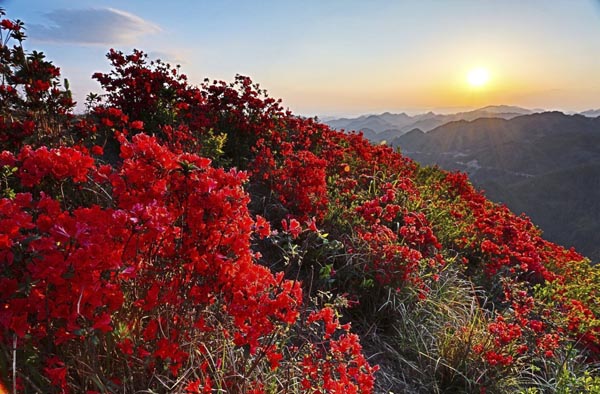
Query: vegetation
{"x": 202, "y": 239}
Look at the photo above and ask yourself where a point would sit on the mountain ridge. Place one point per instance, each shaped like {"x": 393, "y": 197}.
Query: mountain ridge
{"x": 396, "y": 124}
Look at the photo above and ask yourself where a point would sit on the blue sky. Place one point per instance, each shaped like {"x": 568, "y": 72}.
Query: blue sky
{"x": 328, "y": 57}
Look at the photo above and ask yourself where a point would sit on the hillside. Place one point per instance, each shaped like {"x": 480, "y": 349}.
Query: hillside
{"x": 545, "y": 165}
{"x": 202, "y": 239}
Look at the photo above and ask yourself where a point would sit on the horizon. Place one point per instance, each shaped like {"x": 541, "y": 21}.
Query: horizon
{"x": 449, "y": 111}
{"x": 343, "y": 59}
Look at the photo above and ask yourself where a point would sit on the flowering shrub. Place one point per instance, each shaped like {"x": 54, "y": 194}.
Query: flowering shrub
{"x": 33, "y": 107}
{"x": 164, "y": 270}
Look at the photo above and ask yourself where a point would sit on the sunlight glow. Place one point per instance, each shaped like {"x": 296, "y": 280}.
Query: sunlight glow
{"x": 478, "y": 77}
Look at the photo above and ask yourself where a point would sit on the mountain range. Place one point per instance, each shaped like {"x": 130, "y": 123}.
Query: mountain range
{"x": 387, "y": 126}
{"x": 546, "y": 165}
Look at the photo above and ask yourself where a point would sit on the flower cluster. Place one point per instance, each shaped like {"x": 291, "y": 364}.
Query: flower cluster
{"x": 176, "y": 241}
{"x": 352, "y": 374}
{"x": 33, "y": 106}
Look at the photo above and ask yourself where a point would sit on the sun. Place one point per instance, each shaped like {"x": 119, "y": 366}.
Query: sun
{"x": 478, "y": 77}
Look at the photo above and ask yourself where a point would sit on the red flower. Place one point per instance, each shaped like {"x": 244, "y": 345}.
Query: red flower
{"x": 97, "y": 150}
{"x": 274, "y": 359}
{"x": 9, "y": 25}
{"x": 56, "y": 371}
{"x": 137, "y": 125}
{"x": 312, "y": 225}
{"x": 294, "y": 227}
{"x": 19, "y": 324}
{"x": 126, "y": 346}
{"x": 536, "y": 325}
{"x": 193, "y": 387}
{"x": 262, "y": 227}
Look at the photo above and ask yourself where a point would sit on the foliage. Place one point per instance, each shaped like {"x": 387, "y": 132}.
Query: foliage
{"x": 33, "y": 108}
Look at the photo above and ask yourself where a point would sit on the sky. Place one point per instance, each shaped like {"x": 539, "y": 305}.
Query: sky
{"x": 341, "y": 57}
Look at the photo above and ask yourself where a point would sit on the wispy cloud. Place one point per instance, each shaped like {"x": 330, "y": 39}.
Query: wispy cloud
{"x": 92, "y": 26}
{"x": 176, "y": 56}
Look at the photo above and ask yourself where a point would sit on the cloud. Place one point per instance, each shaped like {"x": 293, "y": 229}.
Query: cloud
{"x": 175, "y": 57}
{"x": 92, "y": 26}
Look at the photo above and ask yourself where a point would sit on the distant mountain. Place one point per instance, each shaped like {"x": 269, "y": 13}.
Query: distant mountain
{"x": 545, "y": 164}
{"x": 592, "y": 113}
{"x": 387, "y": 126}
{"x": 505, "y": 109}
{"x": 378, "y": 123}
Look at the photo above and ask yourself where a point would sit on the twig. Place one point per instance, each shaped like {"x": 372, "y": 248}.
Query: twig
{"x": 14, "y": 365}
